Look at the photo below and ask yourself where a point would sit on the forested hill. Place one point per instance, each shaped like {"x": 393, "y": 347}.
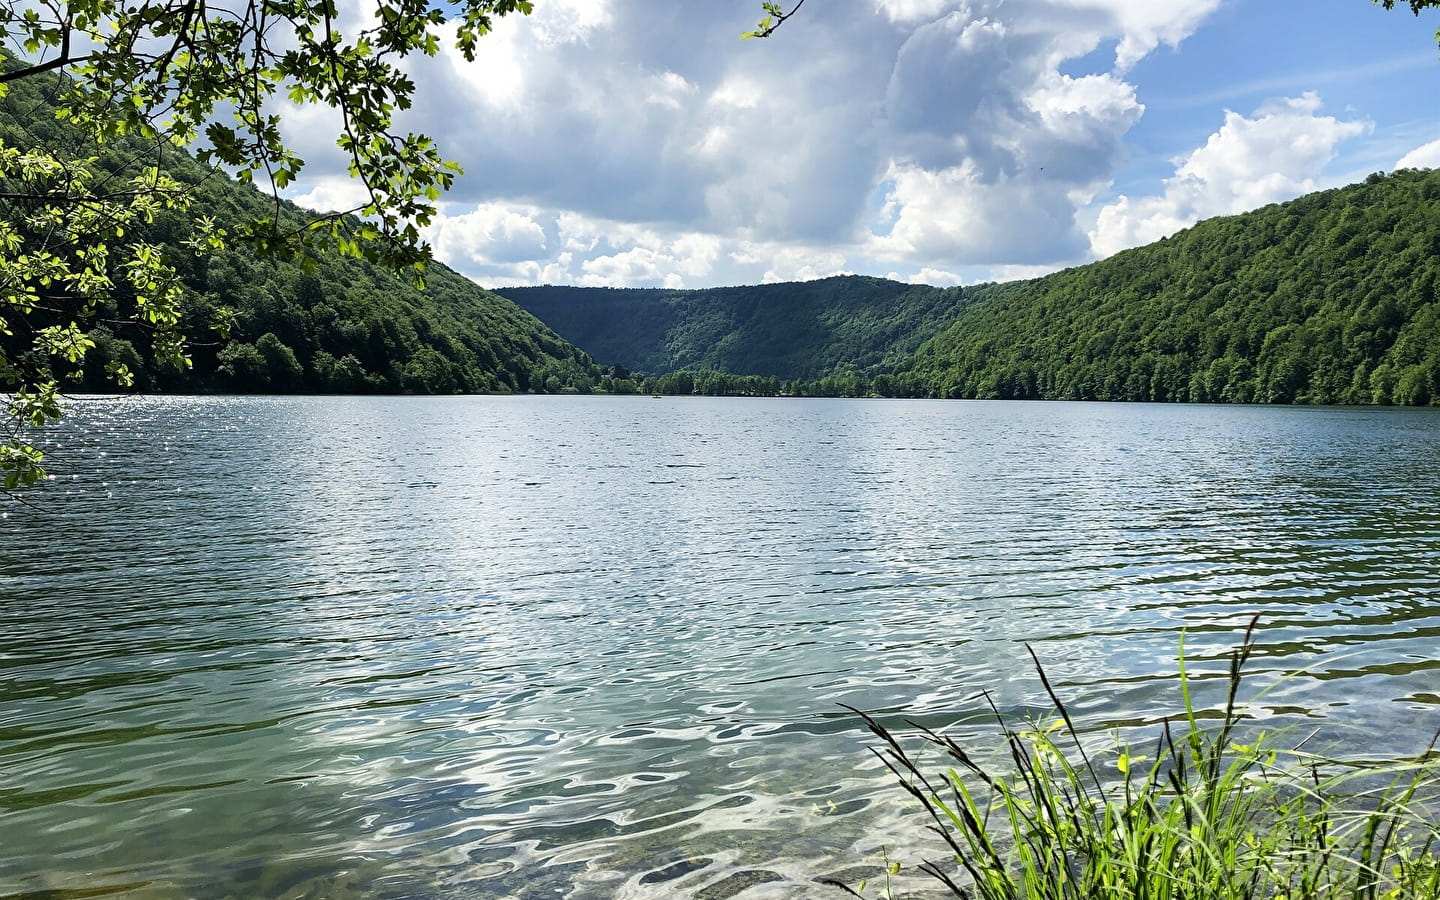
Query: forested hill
{"x": 341, "y": 326}
{"x": 1330, "y": 298}
{"x": 796, "y": 330}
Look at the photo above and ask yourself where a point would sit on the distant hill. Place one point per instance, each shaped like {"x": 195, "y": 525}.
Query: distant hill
{"x": 801, "y": 330}
{"x": 340, "y": 325}
{"x": 1330, "y": 298}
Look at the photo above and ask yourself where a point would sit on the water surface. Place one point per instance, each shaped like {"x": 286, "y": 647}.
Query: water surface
{"x": 596, "y": 647}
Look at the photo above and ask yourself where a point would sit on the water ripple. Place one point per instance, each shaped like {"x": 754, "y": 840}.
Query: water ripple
{"x": 595, "y": 648}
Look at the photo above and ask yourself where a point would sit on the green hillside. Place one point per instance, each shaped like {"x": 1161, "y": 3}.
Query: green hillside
{"x": 333, "y": 325}
{"x": 1330, "y": 298}
{"x": 797, "y": 330}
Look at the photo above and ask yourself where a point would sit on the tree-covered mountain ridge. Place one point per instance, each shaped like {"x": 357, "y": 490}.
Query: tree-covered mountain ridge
{"x": 325, "y": 324}
{"x": 791, "y": 330}
{"x": 1326, "y": 299}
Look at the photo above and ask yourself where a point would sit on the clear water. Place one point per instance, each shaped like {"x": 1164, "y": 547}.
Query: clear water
{"x": 597, "y": 647}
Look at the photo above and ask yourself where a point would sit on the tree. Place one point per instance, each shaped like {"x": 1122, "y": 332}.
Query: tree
{"x": 164, "y": 74}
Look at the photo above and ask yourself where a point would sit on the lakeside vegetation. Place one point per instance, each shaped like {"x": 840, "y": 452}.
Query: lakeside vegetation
{"x": 1219, "y": 809}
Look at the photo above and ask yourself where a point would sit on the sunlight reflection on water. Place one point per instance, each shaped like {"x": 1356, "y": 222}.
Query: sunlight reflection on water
{"x": 596, "y": 647}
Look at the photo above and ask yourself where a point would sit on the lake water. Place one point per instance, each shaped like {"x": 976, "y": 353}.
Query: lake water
{"x": 596, "y": 647}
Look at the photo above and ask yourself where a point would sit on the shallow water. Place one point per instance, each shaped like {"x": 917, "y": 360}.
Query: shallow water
{"x": 596, "y": 647}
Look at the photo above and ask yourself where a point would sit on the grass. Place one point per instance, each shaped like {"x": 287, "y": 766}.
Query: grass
{"x": 1204, "y": 817}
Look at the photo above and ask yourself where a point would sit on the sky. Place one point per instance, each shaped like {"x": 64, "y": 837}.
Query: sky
{"x": 641, "y": 143}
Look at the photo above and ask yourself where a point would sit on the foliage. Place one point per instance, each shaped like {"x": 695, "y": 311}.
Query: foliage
{"x": 324, "y": 324}
{"x": 805, "y": 330}
{"x": 1330, "y": 298}
{"x": 1208, "y": 818}
{"x": 148, "y": 78}
{"x": 775, "y": 16}
{"x": 208, "y": 75}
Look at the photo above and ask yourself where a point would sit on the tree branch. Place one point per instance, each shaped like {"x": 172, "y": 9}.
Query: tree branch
{"x": 773, "y": 20}
{"x": 58, "y": 62}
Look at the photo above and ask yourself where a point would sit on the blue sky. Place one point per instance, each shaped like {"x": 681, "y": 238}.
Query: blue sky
{"x": 641, "y": 143}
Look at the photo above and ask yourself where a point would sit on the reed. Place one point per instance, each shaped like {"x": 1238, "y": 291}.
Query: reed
{"x": 1204, "y": 817}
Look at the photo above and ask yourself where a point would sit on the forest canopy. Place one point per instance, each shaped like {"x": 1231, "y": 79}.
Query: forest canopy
{"x": 1330, "y": 298}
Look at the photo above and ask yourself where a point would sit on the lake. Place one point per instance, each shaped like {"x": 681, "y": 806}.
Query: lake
{"x": 593, "y": 647}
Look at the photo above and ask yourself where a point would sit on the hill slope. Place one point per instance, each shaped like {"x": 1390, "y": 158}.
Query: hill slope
{"x": 796, "y": 330}
{"x": 1330, "y": 298}
{"x": 337, "y": 325}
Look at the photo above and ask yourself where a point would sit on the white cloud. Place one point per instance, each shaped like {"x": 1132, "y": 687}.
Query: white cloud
{"x": 911, "y": 10}
{"x": 1084, "y": 110}
{"x": 640, "y": 142}
{"x": 933, "y": 277}
{"x": 670, "y": 90}
{"x": 957, "y": 112}
{"x": 560, "y": 22}
{"x": 491, "y": 233}
{"x": 500, "y": 245}
{"x": 653, "y": 260}
{"x": 782, "y": 262}
{"x": 1424, "y": 157}
{"x": 1146, "y": 24}
{"x": 1279, "y": 153}
{"x": 332, "y": 194}
{"x": 1021, "y": 273}
{"x": 992, "y": 165}
{"x": 956, "y": 214}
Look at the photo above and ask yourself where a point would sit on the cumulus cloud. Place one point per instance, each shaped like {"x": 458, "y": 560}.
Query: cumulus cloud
{"x": 1144, "y": 25}
{"x": 490, "y": 233}
{"x": 332, "y": 194}
{"x": 994, "y": 149}
{"x": 640, "y": 142}
{"x": 514, "y": 245}
{"x": 1021, "y": 273}
{"x": 1276, "y": 154}
{"x": 789, "y": 263}
{"x": 933, "y": 277}
{"x": 1423, "y": 157}
{"x": 957, "y": 214}
{"x": 912, "y": 10}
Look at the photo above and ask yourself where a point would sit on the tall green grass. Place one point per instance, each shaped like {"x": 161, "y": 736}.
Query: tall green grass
{"x": 1202, "y": 817}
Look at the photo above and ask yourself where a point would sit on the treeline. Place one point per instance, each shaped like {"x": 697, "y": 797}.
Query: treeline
{"x": 793, "y": 331}
{"x": 710, "y": 383}
{"x": 328, "y": 324}
{"x": 1330, "y": 298}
